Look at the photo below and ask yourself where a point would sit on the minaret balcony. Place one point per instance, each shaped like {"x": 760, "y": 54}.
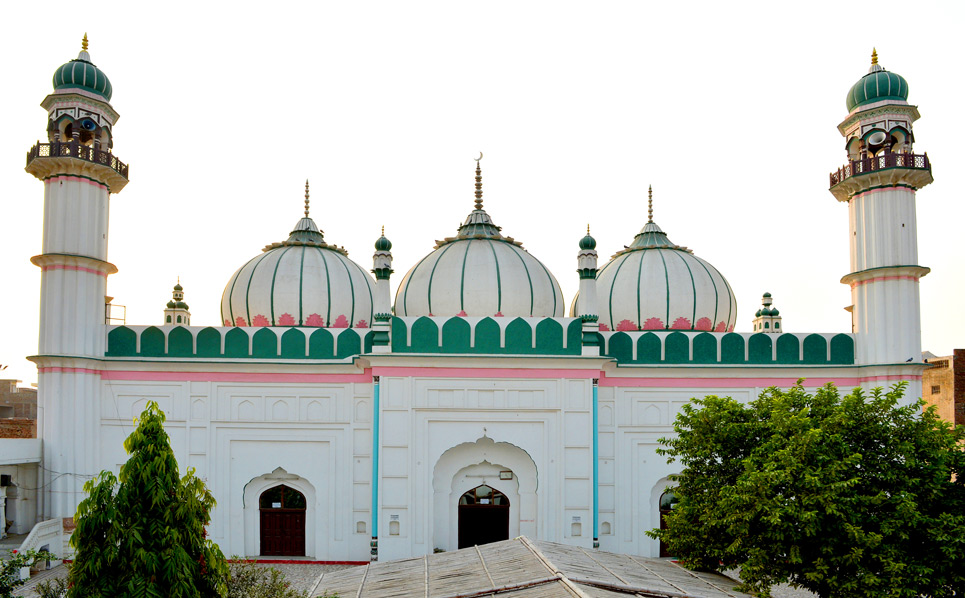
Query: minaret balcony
{"x": 886, "y": 169}
{"x": 71, "y": 157}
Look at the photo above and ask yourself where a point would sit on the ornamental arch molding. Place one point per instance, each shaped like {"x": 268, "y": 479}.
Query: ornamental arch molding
{"x": 253, "y": 490}
{"x": 483, "y": 459}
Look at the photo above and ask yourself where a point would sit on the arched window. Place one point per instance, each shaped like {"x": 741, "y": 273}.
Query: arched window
{"x": 484, "y": 495}
{"x": 179, "y": 319}
{"x": 483, "y": 516}
{"x": 168, "y": 319}
{"x": 667, "y": 502}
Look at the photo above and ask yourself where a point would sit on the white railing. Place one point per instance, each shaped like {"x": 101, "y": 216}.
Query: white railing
{"x": 47, "y": 535}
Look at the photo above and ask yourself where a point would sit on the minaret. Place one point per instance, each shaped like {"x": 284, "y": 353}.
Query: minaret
{"x": 382, "y": 268}
{"x": 879, "y": 183}
{"x": 79, "y": 173}
{"x": 587, "y": 308}
{"x": 767, "y": 319}
{"x": 176, "y": 312}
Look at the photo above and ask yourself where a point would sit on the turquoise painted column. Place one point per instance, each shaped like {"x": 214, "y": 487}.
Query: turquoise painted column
{"x": 374, "y": 544}
{"x": 596, "y": 464}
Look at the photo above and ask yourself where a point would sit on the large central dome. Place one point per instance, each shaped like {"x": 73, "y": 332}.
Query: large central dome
{"x": 479, "y": 272}
{"x": 303, "y": 281}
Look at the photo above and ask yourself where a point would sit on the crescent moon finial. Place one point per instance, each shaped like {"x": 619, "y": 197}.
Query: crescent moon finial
{"x": 480, "y": 157}
{"x": 479, "y": 201}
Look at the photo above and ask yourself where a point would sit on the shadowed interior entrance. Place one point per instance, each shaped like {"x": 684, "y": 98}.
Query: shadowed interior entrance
{"x": 282, "y": 522}
{"x": 483, "y": 516}
{"x": 667, "y": 502}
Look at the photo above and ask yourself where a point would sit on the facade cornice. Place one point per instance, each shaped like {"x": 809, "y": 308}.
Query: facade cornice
{"x": 877, "y": 110}
{"x": 53, "y": 261}
{"x": 79, "y": 97}
{"x": 886, "y": 177}
{"x": 49, "y": 166}
{"x": 897, "y": 272}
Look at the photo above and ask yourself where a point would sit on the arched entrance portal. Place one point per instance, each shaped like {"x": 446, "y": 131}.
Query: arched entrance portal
{"x": 483, "y": 516}
{"x": 667, "y": 502}
{"x": 282, "y": 521}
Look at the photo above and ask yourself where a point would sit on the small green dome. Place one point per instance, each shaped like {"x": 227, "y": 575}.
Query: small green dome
{"x": 181, "y": 305}
{"x": 178, "y": 287}
{"x": 81, "y": 73}
{"x": 767, "y": 294}
{"x": 587, "y": 242}
{"x": 383, "y": 244}
{"x": 876, "y": 86}
{"x": 774, "y": 312}
{"x": 171, "y": 305}
{"x": 757, "y": 314}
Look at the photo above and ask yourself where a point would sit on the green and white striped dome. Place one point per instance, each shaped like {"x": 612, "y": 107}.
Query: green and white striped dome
{"x": 876, "y": 86}
{"x": 656, "y": 285}
{"x": 82, "y": 74}
{"x": 300, "y": 282}
{"x": 479, "y": 272}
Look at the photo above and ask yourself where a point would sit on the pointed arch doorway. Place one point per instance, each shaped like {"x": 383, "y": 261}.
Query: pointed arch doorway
{"x": 282, "y": 511}
{"x": 483, "y": 516}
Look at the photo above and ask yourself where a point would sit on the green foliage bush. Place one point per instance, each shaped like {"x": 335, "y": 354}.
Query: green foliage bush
{"x": 10, "y": 569}
{"x": 144, "y": 535}
{"x": 248, "y": 580}
{"x": 846, "y": 497}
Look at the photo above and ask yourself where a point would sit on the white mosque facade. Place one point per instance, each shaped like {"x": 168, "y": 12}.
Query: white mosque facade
{"x": 333, "y": 422}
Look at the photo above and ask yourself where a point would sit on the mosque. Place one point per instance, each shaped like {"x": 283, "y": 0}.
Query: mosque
{"x": 334, "y": 422}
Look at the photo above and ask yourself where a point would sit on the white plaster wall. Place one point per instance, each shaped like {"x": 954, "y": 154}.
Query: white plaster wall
{"x": 75, "y": 217}
{"x": 21, "y": 497}
{"x": 884, "y": 228}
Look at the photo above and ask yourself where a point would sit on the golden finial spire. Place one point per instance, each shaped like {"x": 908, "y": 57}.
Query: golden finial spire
{"x": 306, "y": 198}
{"x": 587, "y": 228}
{"x": 83, "y": 43}
{"x": 874, "y": 56}
{"x": 479, "y": 201}
{"x": 383, "y": 230}
{"x": 650, "y": 204}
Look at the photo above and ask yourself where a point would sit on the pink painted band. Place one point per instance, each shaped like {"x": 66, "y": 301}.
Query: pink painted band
{"x": 58, "y": 370}
{"x": 882, "y": 190}
{"x": 743, "y": 382}
{"x": 879, "y": 278}
{"x": 67, "y": 177}
{"x": 235, "y": 377}
{"x": 74, "y": 268}
{"x": 484, "y": 373}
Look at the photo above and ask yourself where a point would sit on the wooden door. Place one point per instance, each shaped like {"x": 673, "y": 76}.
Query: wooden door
{"x": 282, "y": 522}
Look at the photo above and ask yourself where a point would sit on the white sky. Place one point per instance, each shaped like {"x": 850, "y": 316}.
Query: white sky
{"x": 729, "y": 111}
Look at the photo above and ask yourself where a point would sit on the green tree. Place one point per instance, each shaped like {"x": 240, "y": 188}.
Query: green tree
{"x": 145, "y": 536}
{"x": 852, "y": 496}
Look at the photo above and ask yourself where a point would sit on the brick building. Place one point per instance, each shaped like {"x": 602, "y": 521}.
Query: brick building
{"x": 18, "y": 410}
{"x": 943, "y": 385}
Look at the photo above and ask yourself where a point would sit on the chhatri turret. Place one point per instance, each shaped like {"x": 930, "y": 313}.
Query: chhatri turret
{"x": 176, "y": 312}
{"x": 879, "y": 183}
{"x": 382, "y": 268}
{"x": 767, "y": 318}
{"x": 79, "y": 173}
{"x": 585, "y": 302}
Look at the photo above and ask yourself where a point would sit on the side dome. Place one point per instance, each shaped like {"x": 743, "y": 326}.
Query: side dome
{"x": 876, "y": 86}
{"x": 82, "y": 74}
{"x": 479, "y": 272}
{"x": 303, "y": 281}
{"x": 656, "y": 285}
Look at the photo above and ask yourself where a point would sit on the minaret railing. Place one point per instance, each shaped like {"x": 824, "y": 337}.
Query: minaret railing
{"x": 75, "y": 149}
{"x": 880, "y": 162}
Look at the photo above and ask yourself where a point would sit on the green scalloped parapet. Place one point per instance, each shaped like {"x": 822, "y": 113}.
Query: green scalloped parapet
{"x": 731, "y": 348}
{"x": 488, "y": 336}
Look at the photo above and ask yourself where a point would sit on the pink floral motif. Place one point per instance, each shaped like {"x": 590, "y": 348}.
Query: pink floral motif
{"x": 681, "y": 324}
{"x": 704, "y": 324}
{"x": 731, "y": 329}
{"x": 227, "y": 322}
{"x": 721, "y": 327}
{"x": 260, "y": 320}
{"x": 239, "y": 321}
{"x": 626, "y": 325}
{"x": 604, "y": 328}
{"x": 653, "y": 324}
{"x": 498, "y": 314}
{"x": 361, "y": 324}
{"x": 286, "y": 320}
{"x": 315, "y": 321}
{"x": 340, "y": 322}
{"x": 462, "y": 313}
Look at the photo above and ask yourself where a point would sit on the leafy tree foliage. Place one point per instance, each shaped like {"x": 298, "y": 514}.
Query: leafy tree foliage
{"x": 145, "y": 537}
{"x": 10, "y": 568}
{"x": 846, "y": 497}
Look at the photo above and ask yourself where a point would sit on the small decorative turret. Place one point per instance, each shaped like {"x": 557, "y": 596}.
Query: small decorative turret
{"x": 382, "y": 268}
{"x": 767, "y": 319}
{"x": 586, "y": 301}
{"x": 176, "y": 311}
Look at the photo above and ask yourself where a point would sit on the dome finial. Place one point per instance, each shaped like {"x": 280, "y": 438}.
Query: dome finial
{"x": 587, "y": 228}
{"x": 874, "y": 56}
{"x": 479, "y": 201}
{"x": 650, "y": 204}
{"x": 383, "y": 230}
{"x": 306, "y": 198}
{"x": 83, "y": 43}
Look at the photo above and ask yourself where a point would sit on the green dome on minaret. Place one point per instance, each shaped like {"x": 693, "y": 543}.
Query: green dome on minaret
{"x": 382, "y": 243}
{"x": 587, "y": 242}
{"x": 876, "y": 86}
{"x": 81, "y": 73}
